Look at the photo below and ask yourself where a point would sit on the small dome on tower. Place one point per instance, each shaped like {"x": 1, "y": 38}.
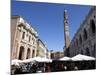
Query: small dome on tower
{"x": 65, "y": 10}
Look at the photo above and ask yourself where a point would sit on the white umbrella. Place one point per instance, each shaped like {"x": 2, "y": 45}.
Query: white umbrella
{"x": 16, "y": 62}
{"x": 29, "y": 60}
{"x": 65, "y": 59}
{"x": 81, "y": 57}
{"x": 46, "y": 60}
{"x": 42, "y": 59}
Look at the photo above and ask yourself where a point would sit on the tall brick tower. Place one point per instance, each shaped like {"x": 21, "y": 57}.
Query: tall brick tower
{"x": 66, "y": 34}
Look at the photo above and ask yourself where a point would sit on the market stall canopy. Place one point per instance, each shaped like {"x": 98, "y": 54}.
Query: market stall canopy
{"x": 42, "y": 59}
{"x": 81, "y": 57}
{"x": 38, "y": 59}
{"x": 29, "y": 60}
{"x": 65, "y": 59}
{"x": 16, "y": 62}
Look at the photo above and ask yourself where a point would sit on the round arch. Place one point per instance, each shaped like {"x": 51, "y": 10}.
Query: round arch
{"x": 92, "y": 26}
{"x": 33, "y": 53}
{"x": 21, "y": 53}
{"x": 28, "y": 53}
{"x": 77, "y": 42}
{"x": 80, "y": 39}
{"x": 82, "y": 51}
{"x": 85, "y": 34}
{"x": 87, "y": 51}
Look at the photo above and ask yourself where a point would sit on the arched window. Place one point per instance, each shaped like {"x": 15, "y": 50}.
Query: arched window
{"x": 23, "y": 35}
{"x": 21, "y": 53}
{"x": 77, "y": 42}
{"x": 29, "y": 38}
{"x": 87, "y": 52}
{"x": 33, "y": 54}
{"x": 85, "y": 34}
{"x": 81, "y": 51}
{"x": 28, "y": 53}
{"x": 80, "y": 39}
{"x": 74, "y": 43}
{"x": 92, "y": 25}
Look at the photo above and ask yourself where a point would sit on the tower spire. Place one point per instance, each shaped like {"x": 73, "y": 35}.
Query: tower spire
{"x": 66, "y": 31}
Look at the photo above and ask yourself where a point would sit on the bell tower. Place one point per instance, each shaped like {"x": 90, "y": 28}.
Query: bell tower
{"x": 66, "y": 33}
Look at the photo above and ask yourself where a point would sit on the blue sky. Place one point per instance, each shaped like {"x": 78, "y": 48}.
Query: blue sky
{"x": 48, "y": 18}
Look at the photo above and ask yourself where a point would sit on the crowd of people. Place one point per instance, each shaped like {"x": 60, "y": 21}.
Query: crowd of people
{"x": 55, "y": 66}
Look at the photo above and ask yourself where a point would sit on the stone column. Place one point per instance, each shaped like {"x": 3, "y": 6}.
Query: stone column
{"x": 19, "y": 44}
{"x": 35, "y": 52}
{"x": 25, "y": 52}
{"x": 18, "y": 50}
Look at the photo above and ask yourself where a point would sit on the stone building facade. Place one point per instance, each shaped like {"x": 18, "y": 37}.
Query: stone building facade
{"x": 57, "y": 55}
{"x": 48, "y": 54}
{"x": 41, "y": 49}
{"x": 84, "y": 40}
{"x": 24, "y": 39}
